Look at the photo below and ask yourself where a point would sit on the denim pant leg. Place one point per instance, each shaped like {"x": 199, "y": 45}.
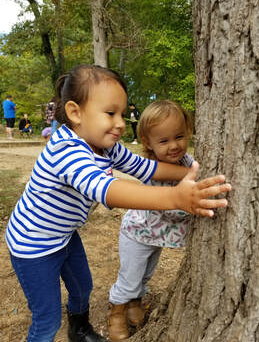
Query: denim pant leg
{"x": 76, "y": 275}
{"x": 54, "y": 126}
{"x": 40, "y": 281}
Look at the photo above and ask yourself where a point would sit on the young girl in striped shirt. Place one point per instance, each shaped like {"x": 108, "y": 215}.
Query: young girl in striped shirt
{"x": 72, "y": 173}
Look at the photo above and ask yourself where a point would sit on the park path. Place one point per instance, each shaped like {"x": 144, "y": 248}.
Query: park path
{"x": 28, "y": 149}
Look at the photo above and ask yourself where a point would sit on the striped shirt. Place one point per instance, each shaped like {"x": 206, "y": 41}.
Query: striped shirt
{"x": 67, "y": 179}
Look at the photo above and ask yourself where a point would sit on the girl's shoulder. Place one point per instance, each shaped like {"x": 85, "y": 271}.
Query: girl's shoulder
{"x": 65, "y": 138}
{"x": 118, "y": 148}
{"x": 187, "y": 160}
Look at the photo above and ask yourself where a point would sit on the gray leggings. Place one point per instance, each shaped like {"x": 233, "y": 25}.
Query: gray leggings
{"x": 137, "y": 265}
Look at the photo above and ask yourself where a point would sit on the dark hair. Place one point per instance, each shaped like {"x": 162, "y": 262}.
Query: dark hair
{"x": 75, "y": 86}
{"x": 132, "y": 104}
{"x": 8, "y": 96}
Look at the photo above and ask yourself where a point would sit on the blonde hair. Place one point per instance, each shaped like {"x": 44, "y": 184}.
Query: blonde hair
{"x": 156, "y": 113}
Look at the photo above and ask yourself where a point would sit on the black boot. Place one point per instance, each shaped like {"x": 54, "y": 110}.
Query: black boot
{"x": 80, "y": 330}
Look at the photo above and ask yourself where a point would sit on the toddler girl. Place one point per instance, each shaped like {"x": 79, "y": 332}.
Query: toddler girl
{"x": 72, "y": 173}
{"x": 164, "y": 129}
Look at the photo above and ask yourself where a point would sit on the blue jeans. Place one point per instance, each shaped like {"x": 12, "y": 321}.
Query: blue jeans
{"x": 40, "y": 281}
{"x": 54, "y": 126}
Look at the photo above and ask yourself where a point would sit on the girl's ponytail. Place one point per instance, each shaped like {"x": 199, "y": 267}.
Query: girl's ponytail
{"x": 60, "y": 114}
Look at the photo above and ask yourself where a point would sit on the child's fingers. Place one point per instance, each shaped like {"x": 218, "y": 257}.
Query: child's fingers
{"x": 212, "y": 203}
{"x": 207, "y": 205}
{"x": 204, "y": 212}
{"x": 215, "y": 190}
{"x": 192, "y": 173}
{"x": 208, "y": 182}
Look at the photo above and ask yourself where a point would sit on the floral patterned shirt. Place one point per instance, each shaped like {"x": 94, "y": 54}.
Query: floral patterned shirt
{"x": 162, "y": 228}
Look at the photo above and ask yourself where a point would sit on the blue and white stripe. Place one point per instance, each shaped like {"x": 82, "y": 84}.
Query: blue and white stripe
{"x": 67, "y": 178}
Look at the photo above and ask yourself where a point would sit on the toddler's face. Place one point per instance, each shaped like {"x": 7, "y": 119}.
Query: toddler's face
{"x": 168, "y": 140}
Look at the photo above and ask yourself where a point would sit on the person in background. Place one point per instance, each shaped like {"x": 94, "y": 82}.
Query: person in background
{"x": 46, "y": 132}
{"x": 25, "y": 125}
{"x": 50, "y": 115}
{"x": 9, "y": 108}
{"x": 134, "y": 116}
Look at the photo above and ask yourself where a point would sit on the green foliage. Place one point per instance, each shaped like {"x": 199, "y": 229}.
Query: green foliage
{"x": 151, "y": 47}
{"x": 170, "y": 64}
{"x": 164, "y": 67}
{"x": 128, "y": 135}
{"x": 25, "y": 77}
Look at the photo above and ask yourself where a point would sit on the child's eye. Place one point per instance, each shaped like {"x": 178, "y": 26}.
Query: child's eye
{"x": 162, "y": 141}
{"x": 180, "y": 137}
{"x": 110, "y": 113}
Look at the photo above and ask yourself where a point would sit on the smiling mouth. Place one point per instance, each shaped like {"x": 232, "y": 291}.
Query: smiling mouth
{"x": 115, "y": 136}
{"x": 174, "y": 155}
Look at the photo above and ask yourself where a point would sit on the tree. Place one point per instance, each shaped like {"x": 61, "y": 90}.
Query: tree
{"x": 151, "y": 46}
{"x": 99, "y": 33}
{"x": 163, "y": 68}
{"x": 113, "y": 28}
{"x": 215, "y": 296}
{"x": 46, "y": 44}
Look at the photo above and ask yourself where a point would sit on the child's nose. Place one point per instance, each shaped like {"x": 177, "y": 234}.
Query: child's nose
{"x": 173, "y": 145}
{"x": 120, "y": 122}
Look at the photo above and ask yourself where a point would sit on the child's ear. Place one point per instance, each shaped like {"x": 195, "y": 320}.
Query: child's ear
{"x": 146, "y": 143}
{"x": 73, "y": 112}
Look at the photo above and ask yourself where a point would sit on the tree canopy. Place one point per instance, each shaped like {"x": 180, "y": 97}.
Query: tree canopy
{"x": 148, "y": 43}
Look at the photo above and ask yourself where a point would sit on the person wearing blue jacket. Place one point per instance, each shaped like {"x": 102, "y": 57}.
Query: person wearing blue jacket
{"x": 9, "y": 115}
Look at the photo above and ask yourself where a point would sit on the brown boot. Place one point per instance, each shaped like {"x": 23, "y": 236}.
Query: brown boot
{"x": 136, "y": 313}
{"x": 117, "y": 322}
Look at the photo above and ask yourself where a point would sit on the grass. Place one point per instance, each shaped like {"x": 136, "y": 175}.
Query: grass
{"x": 10, "y": 190}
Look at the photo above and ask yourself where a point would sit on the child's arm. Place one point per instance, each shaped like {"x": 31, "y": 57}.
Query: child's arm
{"x": 127, "y": 162}
{"x": 170, "y": 172}
{"x": 188, "y": 195}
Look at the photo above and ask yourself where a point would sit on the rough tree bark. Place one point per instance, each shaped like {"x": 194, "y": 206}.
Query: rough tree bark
{"x": 99, "y": 33}
{"x": 216, "y": 295}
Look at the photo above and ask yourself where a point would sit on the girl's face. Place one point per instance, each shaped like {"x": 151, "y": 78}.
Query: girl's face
{"x": 168, "y": 140}
{"x": 102, "y": 122}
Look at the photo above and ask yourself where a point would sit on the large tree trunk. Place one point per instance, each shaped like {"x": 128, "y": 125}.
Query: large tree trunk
{"x": 216, "y": 295}
{"x": 99, "y": 33}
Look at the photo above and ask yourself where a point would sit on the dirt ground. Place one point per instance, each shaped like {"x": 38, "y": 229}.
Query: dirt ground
{"x": 100, "y": 238}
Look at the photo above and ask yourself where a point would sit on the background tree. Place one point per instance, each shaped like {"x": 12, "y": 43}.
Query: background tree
{"x": 163, "y": 68}
{"x": 99, "y": 33}
{"x": 43, "y": 26}
{"x": 24, "y": 71}
{"x": 215, "y": 298}
{"x": 151, "y": 46}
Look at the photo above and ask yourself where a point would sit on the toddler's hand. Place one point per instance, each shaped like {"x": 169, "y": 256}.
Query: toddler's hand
{"x": 194, "y": 196}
